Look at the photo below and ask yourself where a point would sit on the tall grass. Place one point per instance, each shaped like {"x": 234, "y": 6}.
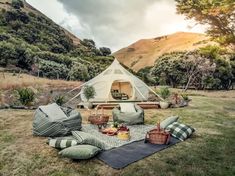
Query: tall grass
{"x": 11, "y": 82}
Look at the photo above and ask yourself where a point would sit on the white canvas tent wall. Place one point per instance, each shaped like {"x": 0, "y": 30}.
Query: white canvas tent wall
{"x": 115, "y": 73}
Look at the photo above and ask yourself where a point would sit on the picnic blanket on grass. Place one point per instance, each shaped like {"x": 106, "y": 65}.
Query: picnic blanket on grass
{"x": 137, "y": 133}
{"x": 122, "y": 156}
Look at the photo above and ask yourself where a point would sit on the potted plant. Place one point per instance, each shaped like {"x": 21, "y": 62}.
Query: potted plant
{"x": 185, "y": 100}
{"x": 89, "y": 93}
{"x": 164, "y": 93}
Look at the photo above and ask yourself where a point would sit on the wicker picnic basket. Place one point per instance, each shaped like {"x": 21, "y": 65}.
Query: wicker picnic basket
{"x": 157, "y": 136}
{"x": 98, "y": 118}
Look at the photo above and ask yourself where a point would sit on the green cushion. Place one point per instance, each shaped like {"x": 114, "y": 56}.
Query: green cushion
{"x": 180, "y": 131}
{"x": 168, "y": 121}
{"x": 80, "y": 152}
{"x": 85, "y": 138}
{"x": 62, "y": 142}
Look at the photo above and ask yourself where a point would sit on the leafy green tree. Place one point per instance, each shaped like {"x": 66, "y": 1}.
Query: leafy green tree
{"x": 170, "y": 69}
{"x": 88, "y": 43}
{"x": 53, "y": 70}
{"x": 79, "y": 72}
{"x": 89, "y": 92}
{"x": 217, "y": 14}
{"x": 105, "y": 51}
{"x": 7, "y": 53}
{"x": 223, "y": 72}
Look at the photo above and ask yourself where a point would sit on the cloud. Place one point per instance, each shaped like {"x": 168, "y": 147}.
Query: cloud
{"x": 116, "y": 24}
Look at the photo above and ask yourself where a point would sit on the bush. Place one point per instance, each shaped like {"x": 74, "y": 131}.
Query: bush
{"x": 79, "y": 72}
{"x": 53, "y": 70}
{"x": 185, "y": 97}
{"x": 164, "y": 92}
{"x": 17, "y": 4}
{"x": 89, "y": 92}
{"x": 26, "y": 96}
{"x": 60, "y": 100}
{"x": 105, "y": 51}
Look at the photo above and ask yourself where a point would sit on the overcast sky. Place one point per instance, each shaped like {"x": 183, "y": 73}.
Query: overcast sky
{"x": 116, "y": 23}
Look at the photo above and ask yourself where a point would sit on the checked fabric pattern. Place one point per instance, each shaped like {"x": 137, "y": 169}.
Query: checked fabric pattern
{"x": 180, "y": 131}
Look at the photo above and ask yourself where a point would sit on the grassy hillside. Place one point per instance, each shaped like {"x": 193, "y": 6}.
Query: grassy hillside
{"x": 31, "y": 41}
{"x": 145, "y": 52}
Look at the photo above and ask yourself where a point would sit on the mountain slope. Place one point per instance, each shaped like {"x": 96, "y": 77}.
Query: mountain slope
{"x": 144, "y": 52}
{"x": 75, "y": 39}
{"x": 31, "y": 41}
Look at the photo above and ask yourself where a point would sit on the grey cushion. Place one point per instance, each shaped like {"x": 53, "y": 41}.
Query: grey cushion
{"x": 180, "y": 131}
{"x": 129, "y": 118}
{"x": 85, "y": 138}
{"x": 80, "y": 152}
{"x": 62, "y": 142}
{"x": 50, "y": 126}
{"x": 127, "y": 107}
{"x": 54, "y": 111}
{"x": 168, "y": 121}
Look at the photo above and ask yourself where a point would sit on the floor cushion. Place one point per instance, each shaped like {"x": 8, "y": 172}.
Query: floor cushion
{"x": 62, "y": 142}
{"x": 54, "y": 111}
{"x": 180, "y": 131}
{"x": 168, "y": 121}
{"x": 127, "y": 107}
{"x": 80, "y": 152}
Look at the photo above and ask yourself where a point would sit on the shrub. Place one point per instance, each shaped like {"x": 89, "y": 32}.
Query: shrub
{"x": 164, "y": 92}
{"x": 105, "y": 51}
{"x": 26, "y": 96}
{"x": 89, "y": 92}
{"x": 79, "y": 72}
{"x": 17, "y": 4}
{"x": 185, "y": 97}
{"x": 60, "y": 100}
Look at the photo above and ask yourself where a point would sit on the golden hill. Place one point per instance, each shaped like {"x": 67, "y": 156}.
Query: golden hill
{"x": 145, "y": 52}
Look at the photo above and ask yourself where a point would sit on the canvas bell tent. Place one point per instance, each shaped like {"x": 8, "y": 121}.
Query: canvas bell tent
{"x": 117, "y": 84}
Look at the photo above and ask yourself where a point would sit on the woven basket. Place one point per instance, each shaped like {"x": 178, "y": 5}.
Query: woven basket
{"x": 98, "y": 119}
{"x": 157, "y": 136}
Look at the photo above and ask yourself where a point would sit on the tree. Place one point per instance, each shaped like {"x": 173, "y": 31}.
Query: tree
{"x": 105, "y": 51}
{"x": 170, "y": 69}
{"x": 7, "y": 53}
{"x": 17, "y": 4}
{"x": 79, "y": 72}
{"x": 89, "y": 92}
{"x": 232, "y": 63}
{"x": 218, "y": 14}
{"x": 197, "y": 65}
{"x": 88, "y": 43}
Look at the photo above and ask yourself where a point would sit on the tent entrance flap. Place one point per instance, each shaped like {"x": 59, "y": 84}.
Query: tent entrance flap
{"x": 121, "y": 90}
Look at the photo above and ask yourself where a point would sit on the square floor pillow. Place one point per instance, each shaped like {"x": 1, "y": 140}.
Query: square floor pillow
{"x": 86, "y": 138}
{"x": 180, "y": 131}
{"x": 62, "y": 142}
{"x": 168, "y": 121}
{"x": 80, "y": 152}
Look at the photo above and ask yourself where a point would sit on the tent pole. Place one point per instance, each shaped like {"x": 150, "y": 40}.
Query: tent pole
{"x": 155, "y": 93}
{"x": 73, "y": 97}
{"x": 75, "y": 88}
{"x": 139, "y": 92}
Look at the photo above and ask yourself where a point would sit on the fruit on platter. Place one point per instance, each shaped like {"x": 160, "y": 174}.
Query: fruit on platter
{"x": 110, "y": 131}
{"x": 123, "y": 127}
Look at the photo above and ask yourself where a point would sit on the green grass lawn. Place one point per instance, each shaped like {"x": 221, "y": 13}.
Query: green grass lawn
{"x": 210, "y": 151}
